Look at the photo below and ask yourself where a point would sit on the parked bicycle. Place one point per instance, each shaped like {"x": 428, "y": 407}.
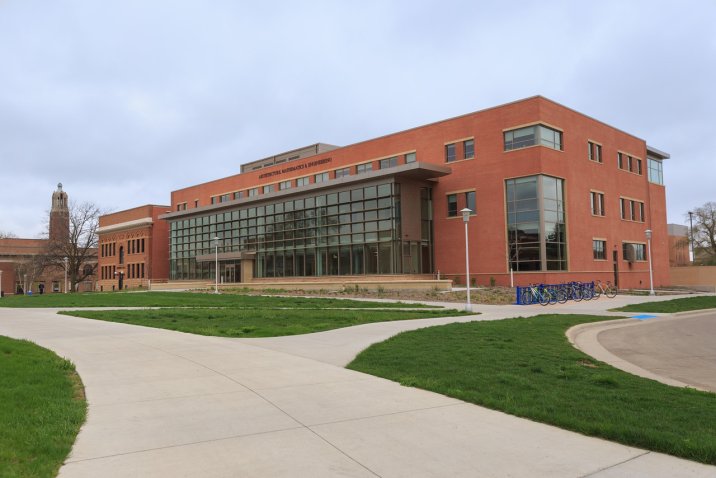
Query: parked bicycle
{"x": 609, "y": 290}
{"x": 535, "y": 294}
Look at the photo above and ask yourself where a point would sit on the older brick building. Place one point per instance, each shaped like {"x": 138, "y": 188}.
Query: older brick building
{"x": 133, "y": 248}
{"x": 23, "y": 262}
{"x": 556, "y": 196}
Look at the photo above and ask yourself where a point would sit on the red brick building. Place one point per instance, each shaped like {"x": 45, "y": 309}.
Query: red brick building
{"x": 132, "y": 248}
{"x": 556, "y": 196}
{"x": 24, "y": 263}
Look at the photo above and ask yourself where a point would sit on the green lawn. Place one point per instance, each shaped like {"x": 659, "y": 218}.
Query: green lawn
{"x": 672, "y": 306}
{"x": 266, "y": 322}
{"x": 42, "y": 407}
{"x": 182, "y": 299}
{"x": 527, "y": 367}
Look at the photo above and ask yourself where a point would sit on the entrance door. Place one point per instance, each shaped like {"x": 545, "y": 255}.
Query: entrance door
{"x": 230, "y": 273}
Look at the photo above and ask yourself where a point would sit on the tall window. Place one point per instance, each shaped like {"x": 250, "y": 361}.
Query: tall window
{"x": 656, "y": 171}
{"x": 594, "y": 151}
{"x": 599, "y": 248}
{"x": 597, "y": 203}
{"x": 470, "y": 201}
{"x": 536, "y": 233}
{"x": 531, "y": 136}
{"x": 450, "y": 153}
{"x": 452, "y": 205}
{"x": 468, "y": 148}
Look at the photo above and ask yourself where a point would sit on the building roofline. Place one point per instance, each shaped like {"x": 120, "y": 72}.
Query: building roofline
{"x": 452, "y": 118}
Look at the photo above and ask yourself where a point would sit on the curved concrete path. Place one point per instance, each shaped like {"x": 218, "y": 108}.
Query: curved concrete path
{"x": 164, "y": 403}
{"x": 676, "y": 350}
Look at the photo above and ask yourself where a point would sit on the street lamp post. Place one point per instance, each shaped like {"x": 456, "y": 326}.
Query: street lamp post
{"x": 651, "y": 274}
{"x": 466, "y": 218}
{"x": 216, "y": 264}
{"x": 1, "y": 294}
{"x": 65, "y": 275}
{"x": 692, "y": 252}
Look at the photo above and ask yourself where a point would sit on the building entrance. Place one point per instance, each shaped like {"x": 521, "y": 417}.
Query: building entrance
{"x": 232, "y": 273}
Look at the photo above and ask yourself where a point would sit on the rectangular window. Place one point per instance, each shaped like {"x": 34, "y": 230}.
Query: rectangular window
{"x": 364, "y": 168}
{"x": 632, "y": 210}
{"x": 638, "y": 167}
{"x": 594, "y": 151}
{"x": 633, "y": 251}
{"x": 196, "y": 203}
{"x": 597, "y": 203}
{"x": 531, "y": 136}
{"x": 620, "y": 160}
{"x": 268, "y": 188}
{"x": 302, "y": 181}
{"x": 388, "y": 163}
{"x": 468, "y": 148}
{"x": 450, "y": 153}
{"x": 452, "y": 205}
{"x": 320, "y": 178}
{"x": 253, "y": 192}
{"x": 238, "y": 195}
{"x": 599, "y": 248}
{"x": 410, "y": 158}
{"x": 343, "y": 172}
{"x": 536, "y": 230}
{"x": 284, "y": 185}
{"x": 181, "y": 207}
{"x": 214, "y": 199}
{"x": 225, "y": 197}
{"x": 470, "y": 201}
{"x": 656, "y": 171}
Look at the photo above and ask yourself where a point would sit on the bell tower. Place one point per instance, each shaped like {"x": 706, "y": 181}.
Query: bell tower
{"x": 59, "y": 216}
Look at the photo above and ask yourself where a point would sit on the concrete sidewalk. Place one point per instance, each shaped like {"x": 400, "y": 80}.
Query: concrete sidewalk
{"x": 164, "y": 403}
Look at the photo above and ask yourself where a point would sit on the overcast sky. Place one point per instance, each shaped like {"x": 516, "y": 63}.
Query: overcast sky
{"x": 125, "y": 101}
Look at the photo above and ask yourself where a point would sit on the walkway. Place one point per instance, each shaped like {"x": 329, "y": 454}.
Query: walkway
{"x": 164, "y": 403}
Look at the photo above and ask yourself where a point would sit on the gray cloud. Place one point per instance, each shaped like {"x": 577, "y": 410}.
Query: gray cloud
{"x": 125, "y": 101}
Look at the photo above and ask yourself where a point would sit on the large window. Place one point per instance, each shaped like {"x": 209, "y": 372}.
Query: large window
{"x": 388, "y": 162}
{"x": 597, "y": 199}
{"x": 343, "y": 172}
{"x": 320, "y": 178}
{"x": 594, "y": 151}
{"x": 470, "y": 201}
{"x": 632, "y": 210}
{"x": 536, "y": 234}
{"x": 364, "y": 168}
{"x": 533, "y": 135}
{"x": 409, "y": 158}
{"x": 302, "y": 181}
{"x": 633, "y": 251}
{"x": 352, "y": 231}
{"x": 450, "y": 154}
{"x": 656, "y": 171}
{"x": 452, "y": 205}
{"x": 599, "y": 248}
{"x": 468, "y": 149}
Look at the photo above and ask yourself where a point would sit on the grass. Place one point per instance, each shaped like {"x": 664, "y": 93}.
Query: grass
{"x": 182, "y": 299}
{"x": 256, "y": 322}
{"x": 42, "y": 409}
{"x": 672, "y": 306}
{"x": 527, "y": 367}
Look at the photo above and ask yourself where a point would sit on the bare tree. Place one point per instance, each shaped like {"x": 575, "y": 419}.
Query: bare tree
{"x": 7, "y": 235}
{"x": 27, "y": 270}
{"x": 704, "y": 232}
{"x": 80, "y": 249}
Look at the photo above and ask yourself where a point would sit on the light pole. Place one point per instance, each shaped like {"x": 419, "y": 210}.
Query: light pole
{"x": 466, "y": 218}
{"x": 216, "y": 264}
{"x": 1, "y": 294}
{"x": 692, "y": 252}
{"x": 651, "y": 274}
{"x": 65, "y": 275}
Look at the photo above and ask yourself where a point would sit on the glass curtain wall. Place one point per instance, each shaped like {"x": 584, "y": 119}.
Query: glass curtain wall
{"x": 349, "y": 232}
{"x": 536, "y": 234}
